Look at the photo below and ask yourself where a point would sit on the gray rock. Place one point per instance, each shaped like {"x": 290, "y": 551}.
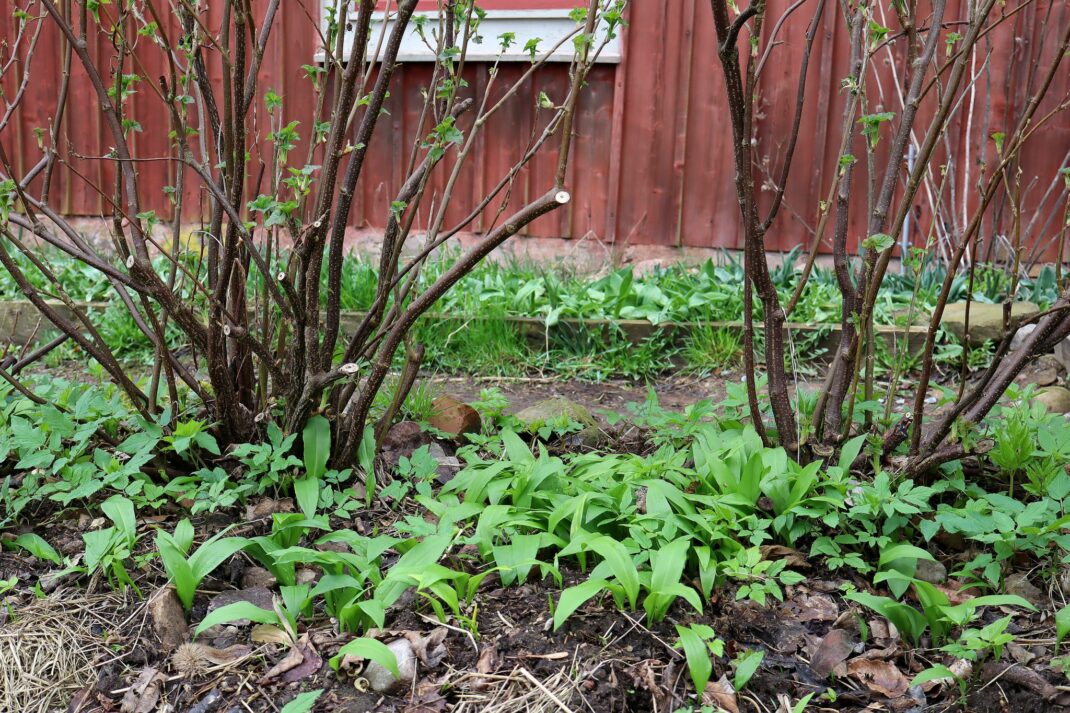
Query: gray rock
{"x": 1055, "y": 398}
{"x": 986, "y": 320}
{"x": 931, "y": 572}
{"x": 1018, "y": 340}
{"x": 382, "y": 681}
{"x": 448, "y": 466}
{"x": 1062, "y": 353}
{"x": 254, "y": 577}
{"x": 1019, "y": 584}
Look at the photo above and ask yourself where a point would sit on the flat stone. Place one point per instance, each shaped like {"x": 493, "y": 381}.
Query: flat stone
{"x": 1055, "y": 398}
{"x": 454, "y": 417}
{"x": 986, "y": 320}
{"x": 254, "y": 577}
{"x": 382, "y": 681}
{"x": 1062, "y": 352}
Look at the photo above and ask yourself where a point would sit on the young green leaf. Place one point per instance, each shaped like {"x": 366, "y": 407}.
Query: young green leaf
{"x": 121, "y": 511}
{"x": 904, "y": 551}
{"x": 188, "y": 573}
{"x": 697, "y": 654}
{"x": 302, "y": 702}
{"x": 370, "y": 649}
{"x": 235, "y": 611}
{"x": 574, "y": 597}
{"x": 366, "y": 461}
{"x": 746, "y": 666}
{"x": 620, "y": 564}
{"x": 317, "y": 440}
{"x": 933, "y": 673}
{"x": 36, "y": 546}
{"x": 307, "y": 494}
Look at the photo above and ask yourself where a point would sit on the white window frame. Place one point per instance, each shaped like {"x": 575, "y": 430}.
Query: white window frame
{"x": 548, "y": 25}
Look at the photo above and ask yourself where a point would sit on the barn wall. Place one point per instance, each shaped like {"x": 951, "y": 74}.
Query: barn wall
{"x": 652, "y": 162}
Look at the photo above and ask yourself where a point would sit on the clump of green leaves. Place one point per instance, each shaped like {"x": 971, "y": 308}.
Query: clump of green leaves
{"x": 185, "y": 570}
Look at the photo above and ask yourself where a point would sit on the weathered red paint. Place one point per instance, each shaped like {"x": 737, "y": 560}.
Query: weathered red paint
{"x": 652, "y": 157}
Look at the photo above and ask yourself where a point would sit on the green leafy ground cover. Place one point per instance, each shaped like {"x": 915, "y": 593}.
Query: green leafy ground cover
{"x": 478, "y": 338}
{"x": 720, "y": 549}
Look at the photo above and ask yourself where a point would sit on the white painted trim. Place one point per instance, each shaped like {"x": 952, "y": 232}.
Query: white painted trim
{"x": 549, "y": 25}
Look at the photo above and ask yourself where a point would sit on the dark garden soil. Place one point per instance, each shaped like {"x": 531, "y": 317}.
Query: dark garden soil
{"x": 674, "y": 392}
{"x": 95, "y": 651}
{"x": 511, "y": 659}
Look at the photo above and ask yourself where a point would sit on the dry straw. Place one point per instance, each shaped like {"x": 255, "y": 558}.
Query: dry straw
{"x": 53, "y": 647}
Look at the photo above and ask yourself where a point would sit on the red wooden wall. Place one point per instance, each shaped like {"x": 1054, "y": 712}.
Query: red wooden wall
{"x": 652, "y": 159}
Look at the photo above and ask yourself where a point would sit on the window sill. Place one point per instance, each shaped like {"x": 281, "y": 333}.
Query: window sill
{"x": 548, "y": 26}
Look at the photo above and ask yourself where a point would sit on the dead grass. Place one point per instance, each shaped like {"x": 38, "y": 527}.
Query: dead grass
{"x": 52, "y": 647}
{"x": 517, "y": 692}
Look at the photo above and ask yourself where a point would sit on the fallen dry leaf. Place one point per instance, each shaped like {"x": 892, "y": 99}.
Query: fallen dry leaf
{"x": 720, "y": 693}
{"x": 952, "y": 589}
{"x": 796, "y": 559}
{"x": 880, "y": 677}
{"x": 168, "y": 618}
{"x": 813, "y": 607}
{"x": 881, "y": 654}
{"x": 1020, "y": 654}
{"x": 427, "y": 699}
{"x": 488, "y": 659}
{"x": 784, "y": 703}
{"x": 643, "y": 674}
{"x": 831, "y": 652}
{"x": 1018, "y": 583}
{"x": 430, "y": 649}
{"x": 883, "y": 632}
{"x": 268, "y": 634}
{"x": 310, "y": 666}
{"x": 145, "y": 693}
{"x": 300, "y": 662}
{"x": 293, "y": 658}
{"x": 488, "y": 662}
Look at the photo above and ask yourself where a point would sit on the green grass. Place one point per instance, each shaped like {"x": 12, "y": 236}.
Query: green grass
{"x": 477, "y": 338}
